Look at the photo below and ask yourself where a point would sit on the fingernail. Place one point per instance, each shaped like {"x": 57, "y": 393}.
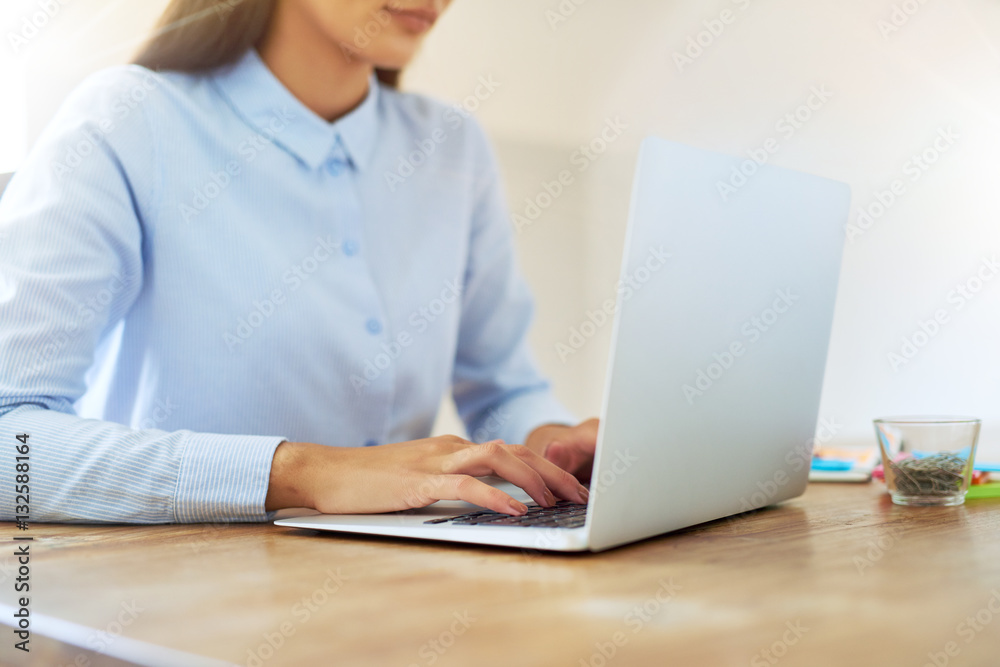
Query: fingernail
{"x": 520, "y": 508}
{"x": 549, "y": 497}
{"x": 584, "y": 493}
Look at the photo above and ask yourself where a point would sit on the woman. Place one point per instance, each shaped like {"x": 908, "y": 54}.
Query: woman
{"x": 240, "y": 264}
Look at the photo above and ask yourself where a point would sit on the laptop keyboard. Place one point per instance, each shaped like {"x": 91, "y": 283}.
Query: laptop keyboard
{"x": 563, "y": 514}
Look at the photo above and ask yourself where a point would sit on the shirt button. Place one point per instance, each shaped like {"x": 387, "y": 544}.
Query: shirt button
{"x": 374, "y": 326}
{"x": 350, "y": 248}
{"x": 334, "y": 168}
{"x": 370, "y": 443}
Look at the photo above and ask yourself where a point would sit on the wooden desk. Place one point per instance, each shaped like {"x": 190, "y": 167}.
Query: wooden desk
{"x": 837, "y": 577}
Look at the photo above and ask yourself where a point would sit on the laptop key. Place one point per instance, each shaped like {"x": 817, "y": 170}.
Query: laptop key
{"x": 563, "y": 514}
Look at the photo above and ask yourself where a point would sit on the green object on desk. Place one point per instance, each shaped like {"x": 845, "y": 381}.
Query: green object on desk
{"x": 991, "y": 490}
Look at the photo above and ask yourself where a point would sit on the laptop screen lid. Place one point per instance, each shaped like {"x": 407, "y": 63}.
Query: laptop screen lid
{"x": 720, "y": 339}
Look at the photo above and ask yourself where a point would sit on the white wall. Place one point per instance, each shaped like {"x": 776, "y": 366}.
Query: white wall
{"x": 892, "y": 90}
{"x": 891, "y": 93}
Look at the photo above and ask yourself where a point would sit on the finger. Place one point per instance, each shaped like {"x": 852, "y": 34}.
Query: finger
{"x": 558, "y": 454}
{"x": 562, "y": 482}
{"x": 584, "y": 437}
{"x": 571, "y": 457}
{"x": 472, "y": 490}
{"x": 492, "y": 458}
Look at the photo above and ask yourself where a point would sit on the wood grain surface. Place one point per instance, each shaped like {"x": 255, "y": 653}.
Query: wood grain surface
{"x": 837, "y": 577}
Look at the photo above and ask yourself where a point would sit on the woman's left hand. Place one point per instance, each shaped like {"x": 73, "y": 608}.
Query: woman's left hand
{"x": 569, "y": 447}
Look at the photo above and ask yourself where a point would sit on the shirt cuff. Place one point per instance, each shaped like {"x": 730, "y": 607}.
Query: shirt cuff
{"x": 224, "y": 478}
{"x": 514, "y": 419}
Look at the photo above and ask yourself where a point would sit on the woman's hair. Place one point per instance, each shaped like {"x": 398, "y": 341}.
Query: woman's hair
{"x": 200, "y": 35}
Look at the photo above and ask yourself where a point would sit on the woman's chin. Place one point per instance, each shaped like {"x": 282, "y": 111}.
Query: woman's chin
{"x": 395, "y": 51}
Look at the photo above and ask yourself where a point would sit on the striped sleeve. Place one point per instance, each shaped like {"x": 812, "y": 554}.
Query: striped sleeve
{"x": 71, "y": 266}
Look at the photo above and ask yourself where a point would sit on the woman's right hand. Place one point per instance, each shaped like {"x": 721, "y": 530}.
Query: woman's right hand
{"x": 405, "y": 475}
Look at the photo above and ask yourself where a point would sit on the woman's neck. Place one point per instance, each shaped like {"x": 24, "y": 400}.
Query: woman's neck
{"x": 322, "y": 76}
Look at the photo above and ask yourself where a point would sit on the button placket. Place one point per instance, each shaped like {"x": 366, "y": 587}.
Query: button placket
{"x": 372, "y": 318}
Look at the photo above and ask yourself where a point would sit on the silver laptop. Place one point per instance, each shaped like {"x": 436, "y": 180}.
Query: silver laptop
{"x": 716, "y": 364}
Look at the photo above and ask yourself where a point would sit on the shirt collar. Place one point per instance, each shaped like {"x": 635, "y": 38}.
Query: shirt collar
{"x": 268, "y": 107}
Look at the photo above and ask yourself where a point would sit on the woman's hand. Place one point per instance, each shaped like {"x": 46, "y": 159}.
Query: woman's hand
{"x": 404, "y": 475}
{"x": 569, "y": 447}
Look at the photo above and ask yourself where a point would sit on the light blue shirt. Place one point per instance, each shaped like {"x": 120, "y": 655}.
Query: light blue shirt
{"x": 196, "y": 268}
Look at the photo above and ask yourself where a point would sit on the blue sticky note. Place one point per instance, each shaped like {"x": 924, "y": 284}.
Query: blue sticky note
{"x": 831, "y": 464}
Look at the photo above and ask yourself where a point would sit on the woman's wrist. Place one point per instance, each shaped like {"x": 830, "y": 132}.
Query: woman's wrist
{"x": 289, "y": 484}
